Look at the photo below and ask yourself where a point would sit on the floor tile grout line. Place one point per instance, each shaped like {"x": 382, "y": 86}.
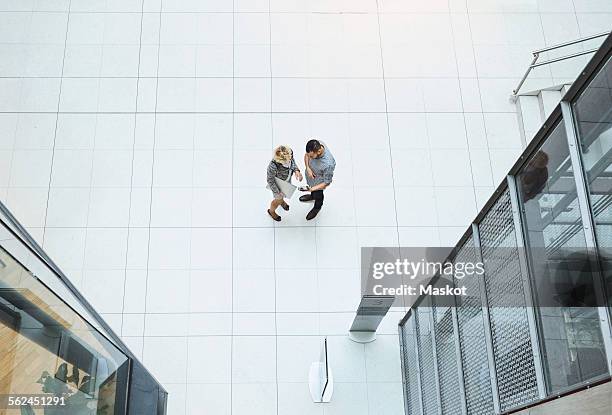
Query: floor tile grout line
{"x": 482, "y": 113}
{"x": 382, "y": 62}
{"x": 427, "y": 138}
{"x": 270, "y": 226}
{"x": 275, "y": 228}
{"x": 57, "y": 114}
{"x": 146, "y": 287}
{"x": 218, "y": 312}
{"x": 254, "y": 112}
{"x": 541, "y": 22}
{"x": 465, "y": 127}
{"x": 129, "y": 218}
{"x": 575, "y": 13}
{"x": 301, "y": 12}
{"x": 233, "y": 253}
{"x": 281, "y": 77}
{"x": 14, "y": 144}
{"x": 190, "y": 244}
{"x": 393, "y": 185}
{"x": 85, "y": 277}
{"x": 10, "y": 175}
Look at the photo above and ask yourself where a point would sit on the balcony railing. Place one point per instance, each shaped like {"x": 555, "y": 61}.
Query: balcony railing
{"x": 516, "y": 341}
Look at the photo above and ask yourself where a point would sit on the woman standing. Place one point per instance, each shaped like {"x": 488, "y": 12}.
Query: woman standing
{"x": 281, "y": 167}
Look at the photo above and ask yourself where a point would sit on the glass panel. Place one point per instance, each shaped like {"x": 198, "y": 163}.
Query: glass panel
{"x": 47, "y": 348}
{"x": 16, "y": 242}
{"x": 593, "y": 113}
{"x": 573, "y": 349}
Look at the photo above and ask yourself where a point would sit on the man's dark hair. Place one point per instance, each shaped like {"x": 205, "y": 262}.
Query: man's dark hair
{"x": 312, "y": 145}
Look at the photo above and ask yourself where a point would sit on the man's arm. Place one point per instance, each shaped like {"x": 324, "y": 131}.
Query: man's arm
{"x": 307, "y": 164}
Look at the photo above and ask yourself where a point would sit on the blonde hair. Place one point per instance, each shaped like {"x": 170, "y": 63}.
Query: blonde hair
{"x": 283, "y": 154}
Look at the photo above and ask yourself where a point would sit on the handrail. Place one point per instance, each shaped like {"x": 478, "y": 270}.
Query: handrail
{"x": 562, "y": 58}
{"x": 536, "y": 56}
{"x": 573, "y": 42}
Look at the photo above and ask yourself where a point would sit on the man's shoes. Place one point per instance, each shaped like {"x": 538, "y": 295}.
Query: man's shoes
{"x": 306, "y": 198}
{"x": 275, "y": 216}
{"x": 285, "y": 206}
{"x": 312, "y": 214}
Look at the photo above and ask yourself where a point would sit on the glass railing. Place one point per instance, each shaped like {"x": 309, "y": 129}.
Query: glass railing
{"x": 50, "y": 356}
{"x": 536, "y": 324}
{"x": 593, "y": 115}
{"x": 57, "y": 355}
{"x": 25, "y": 250}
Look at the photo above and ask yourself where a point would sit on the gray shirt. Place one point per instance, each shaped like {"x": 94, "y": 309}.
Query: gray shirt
{"x": 322, "y": 167}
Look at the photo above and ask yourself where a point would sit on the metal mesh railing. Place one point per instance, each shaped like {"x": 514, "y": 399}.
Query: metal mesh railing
{"x": 512, "y": 349}
{"x": 470, "y": 320}
{"x": 426, "y": 361}
{"x": 410, "y": 367}
{"x": 448, "y": 374}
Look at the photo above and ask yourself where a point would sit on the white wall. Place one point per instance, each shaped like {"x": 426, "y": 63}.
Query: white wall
{"x": 135, "y": 152}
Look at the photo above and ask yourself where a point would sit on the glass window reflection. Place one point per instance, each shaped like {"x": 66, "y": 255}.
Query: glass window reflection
{"x": 562, "y": 271}
{"x": 48, "y": 349}
{"x": 593, "y": 116}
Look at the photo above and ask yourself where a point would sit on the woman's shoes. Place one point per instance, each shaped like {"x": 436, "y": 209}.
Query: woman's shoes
{"x": 310, "y": 216}
{"x": 274, "y": 215}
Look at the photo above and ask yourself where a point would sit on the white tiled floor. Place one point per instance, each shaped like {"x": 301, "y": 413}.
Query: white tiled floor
{"x": 134, "y": 136}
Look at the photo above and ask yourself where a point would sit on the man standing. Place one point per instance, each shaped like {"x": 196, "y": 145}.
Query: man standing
{"x": 320, "y": 165}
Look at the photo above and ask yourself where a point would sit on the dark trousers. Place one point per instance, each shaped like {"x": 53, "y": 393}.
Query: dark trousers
{"x": 317, "y": 196}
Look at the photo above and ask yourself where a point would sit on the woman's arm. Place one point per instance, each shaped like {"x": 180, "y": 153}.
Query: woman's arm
{"x": 296, "y": 170}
